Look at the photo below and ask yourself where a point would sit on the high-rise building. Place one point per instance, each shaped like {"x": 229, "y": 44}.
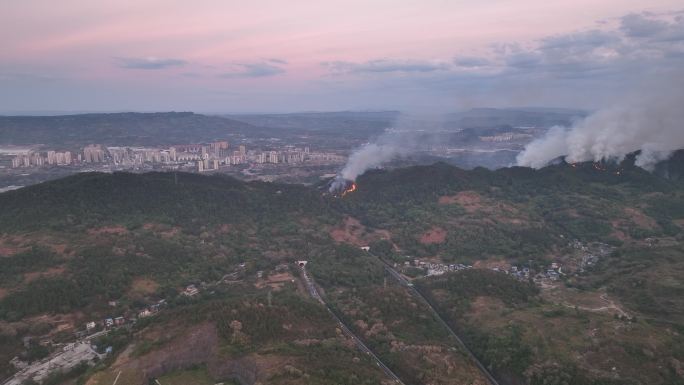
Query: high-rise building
{"x": 273, "y": 157}
{"x": 93, "y": 154}
{"x": 243, "y": 150}
{"x": 219, "y": 148}
{"x": 261, "y": 158}
{"x": 36, "y": 159}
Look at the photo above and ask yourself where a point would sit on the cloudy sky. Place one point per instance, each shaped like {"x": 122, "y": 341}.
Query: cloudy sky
{"x": 277, "y": 55}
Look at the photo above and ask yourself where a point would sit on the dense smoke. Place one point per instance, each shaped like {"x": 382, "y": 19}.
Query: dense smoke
{"x": 652, "y": 121}
{"x": 369, "y": 156}
{"x": 409, "y": 133}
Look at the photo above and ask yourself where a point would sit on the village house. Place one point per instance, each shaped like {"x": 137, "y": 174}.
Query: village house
{"x": 191, "y": 291}
{"x": 155, "y": 307}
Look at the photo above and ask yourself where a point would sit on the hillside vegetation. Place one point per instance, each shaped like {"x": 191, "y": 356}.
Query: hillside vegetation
{"x": 70, "y": 246}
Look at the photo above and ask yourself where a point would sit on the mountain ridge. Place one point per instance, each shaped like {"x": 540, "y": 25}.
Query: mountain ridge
{"x": 126, "y": 128}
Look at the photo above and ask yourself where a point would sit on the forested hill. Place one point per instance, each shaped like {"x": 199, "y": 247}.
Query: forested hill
{"x": 191, "y": 200}
{"x": 69, "y": 246}
{"x": 127, "y": 128}
{"x": 384, "y": 199}
{"x": 517, "y": 211}
{"x": 413, "y": 184}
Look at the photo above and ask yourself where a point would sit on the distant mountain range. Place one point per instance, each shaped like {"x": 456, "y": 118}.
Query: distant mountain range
{"x": 323, "y": 121}
{"x": 132, "y": 128}
{"x": 129, "y": 128}
{"x": 534, "y": 117}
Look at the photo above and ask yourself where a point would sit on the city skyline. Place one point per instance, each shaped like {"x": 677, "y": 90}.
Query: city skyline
{"x": 188, "y": 157}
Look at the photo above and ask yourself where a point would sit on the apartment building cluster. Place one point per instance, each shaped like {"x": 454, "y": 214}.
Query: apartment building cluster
{"x": 210, "y": 160}
{"x": 506, "y": 137}
{"x": 201, "y": 157}
{"x": 288, "y": 155}
{"x": 37, "y": 159}
{"x": 90, "y": 154}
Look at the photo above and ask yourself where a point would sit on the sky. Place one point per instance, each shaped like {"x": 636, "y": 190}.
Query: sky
{"x": 226, "y": 56}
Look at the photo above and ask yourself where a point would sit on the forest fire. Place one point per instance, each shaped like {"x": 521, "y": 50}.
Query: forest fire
{"x": 340, "y": 187}
{"x": 349, "y": 189}
{"x": 599, "y": 166}
{"x": 602, "y": 166}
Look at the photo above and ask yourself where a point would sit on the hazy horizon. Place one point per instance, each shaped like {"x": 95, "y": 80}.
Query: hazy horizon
{"x": 292, "y": 112}
{"x": 266, "y": 56}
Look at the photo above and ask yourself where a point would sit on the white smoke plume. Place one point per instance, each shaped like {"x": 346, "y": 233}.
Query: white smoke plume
{"x": 651, "y": 120}
{"x": 369, "y": 156}
{"x": 409, "y": 133}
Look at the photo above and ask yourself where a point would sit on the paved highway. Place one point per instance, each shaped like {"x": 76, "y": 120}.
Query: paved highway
{"x": 311, "y": 287}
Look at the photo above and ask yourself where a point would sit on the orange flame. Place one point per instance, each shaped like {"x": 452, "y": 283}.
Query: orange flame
{"x": 351, "y": 189}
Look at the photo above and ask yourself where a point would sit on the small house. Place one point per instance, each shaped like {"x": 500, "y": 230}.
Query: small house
{"x": 190, "y": 291}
